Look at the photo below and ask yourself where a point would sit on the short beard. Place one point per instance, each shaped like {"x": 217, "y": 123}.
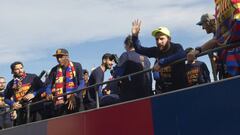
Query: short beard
{"x": 166, "y": 47}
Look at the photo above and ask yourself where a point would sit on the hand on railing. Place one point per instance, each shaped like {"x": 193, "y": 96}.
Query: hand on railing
{"x": 2, "y": 104}
{"x": 13, "y": 115}
{"x": 49, "y": 97}
{"x": 71, "y": 101}
{"x": 192, "y": 55}
{"x": 16, "y": 106}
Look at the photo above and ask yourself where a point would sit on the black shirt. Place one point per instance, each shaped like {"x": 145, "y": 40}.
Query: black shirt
{"x": 171, "y": 77}
{"x": 139, "y": 85}
{"x": 197, "y": 73}
{"x": 30, "y": 84}
{"x": 97, "y": 76}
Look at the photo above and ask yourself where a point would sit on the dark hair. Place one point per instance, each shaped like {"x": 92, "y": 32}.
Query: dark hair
{"x": 14, "y": 64}
{"x": 128, "y": 41}
{"x": 189, "y": 49}
{"x": 108, "y": 56}
{"x": 85, "y": 71}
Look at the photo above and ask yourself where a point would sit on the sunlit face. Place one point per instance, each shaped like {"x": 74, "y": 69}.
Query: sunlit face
{"x": 2, "y": 84}
{"x": 62, "y": 60}
{"x": 162, "y": 41}
{"x": 18, "y": 70}
{"x": 108, "y": 63}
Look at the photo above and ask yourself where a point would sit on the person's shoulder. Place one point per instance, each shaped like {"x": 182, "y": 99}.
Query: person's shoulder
{"x": 96, "y": 70}
{"x": 124, "y": 54}
{"x": 76, "y": 63}
{"x": 55, "y": 67}
{"x": 31, "y": 75}
{"x": 10, "y": 82}
{"x": 176, "y": 44}
{"x": 199, "y": 62}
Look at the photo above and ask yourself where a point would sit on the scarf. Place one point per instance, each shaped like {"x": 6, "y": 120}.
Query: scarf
{"x": 19, "y": 88}
{"x": 228, "y": 31}
{"x": 62, "y": 82}
{"x": 227, "y": 21}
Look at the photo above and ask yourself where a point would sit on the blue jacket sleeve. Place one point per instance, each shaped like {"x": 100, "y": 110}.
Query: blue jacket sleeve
{"x": 150, "y": 52}
{"x": 48, "y": 89}
{"x": 8, "y": 93}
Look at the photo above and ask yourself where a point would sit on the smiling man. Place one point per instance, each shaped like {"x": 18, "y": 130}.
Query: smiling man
{"x": 65, "y": 77}
{"x": 97, "y": 76}
{"x": 23, "y": 89}
{"x": 171, "y": 77}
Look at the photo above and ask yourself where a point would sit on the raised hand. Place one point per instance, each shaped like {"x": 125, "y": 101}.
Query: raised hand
{"x": 136, "y": 25}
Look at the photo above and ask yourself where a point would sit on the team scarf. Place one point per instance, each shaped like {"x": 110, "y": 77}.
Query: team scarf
{"x": 60, "y": 84}
{"x": 17, "y": 81}
{"x": 227, "y": 14}
{"x": 231, "y": 58}
{"x": 228, "y": 31}
{"x": 20, "y": 88}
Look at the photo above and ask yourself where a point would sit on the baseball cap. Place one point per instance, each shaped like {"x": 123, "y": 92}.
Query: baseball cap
{"x": 61, "y": 51}
{"x": 108, "y": 55}
{"x": 205, "y": 17}
{"x": 163, "y": 30}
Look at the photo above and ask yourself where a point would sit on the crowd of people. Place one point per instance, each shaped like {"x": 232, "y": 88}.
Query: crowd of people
{"x": 68, "y": 76}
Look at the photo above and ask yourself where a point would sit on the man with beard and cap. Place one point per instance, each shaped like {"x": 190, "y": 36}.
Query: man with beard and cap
{"x": 65, "y": 77}
{"x": 169, "y": 77}
{"x": 97, "y": 76}
{"x": 24, "y": 88}
{"x": 5, "y": 120}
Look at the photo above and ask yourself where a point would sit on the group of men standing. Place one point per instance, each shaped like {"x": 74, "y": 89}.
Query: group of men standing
{"x": 58, "y": 91}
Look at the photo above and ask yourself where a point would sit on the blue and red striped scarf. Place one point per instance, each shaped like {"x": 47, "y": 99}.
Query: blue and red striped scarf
{"x": 60, "y": 84}
{"x": 228, "y": 31}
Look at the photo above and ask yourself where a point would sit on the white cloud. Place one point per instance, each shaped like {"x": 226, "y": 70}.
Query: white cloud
{"x": 30, "y": 25}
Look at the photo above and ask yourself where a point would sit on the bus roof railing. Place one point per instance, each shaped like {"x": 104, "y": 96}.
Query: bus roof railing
{"x": 232, "y": 45}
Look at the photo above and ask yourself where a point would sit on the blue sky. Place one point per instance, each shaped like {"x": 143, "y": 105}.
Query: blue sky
{"x": 32, "y": 30}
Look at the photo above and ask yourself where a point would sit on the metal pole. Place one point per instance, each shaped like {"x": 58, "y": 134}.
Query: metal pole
{"x": 129, "y": 78}
{"x": 214, "y": 71}
{"x": 28, "y": 112}
{"x": 97, "y": 97}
